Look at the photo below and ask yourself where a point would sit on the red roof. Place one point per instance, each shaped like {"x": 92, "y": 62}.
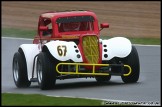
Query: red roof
{"x": 66, "y": 13}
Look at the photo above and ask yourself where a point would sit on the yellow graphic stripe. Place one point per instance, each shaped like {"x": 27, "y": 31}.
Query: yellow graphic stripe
{"x": 91, "y": 49}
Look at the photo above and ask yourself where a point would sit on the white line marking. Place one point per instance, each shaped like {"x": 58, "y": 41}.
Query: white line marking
{"x": 146, "y": 45}
{"x": 105, "y": 101}
{"x": 16, "y": 38}
{"x": 110, "y": 100}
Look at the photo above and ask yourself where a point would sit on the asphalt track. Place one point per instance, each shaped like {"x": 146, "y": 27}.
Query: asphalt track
{"x": 147, "y": 89}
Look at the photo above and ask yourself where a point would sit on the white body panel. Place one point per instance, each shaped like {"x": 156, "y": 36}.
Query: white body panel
{"x": 116, "y": 47}
{"x": 70, "y": 50}
{"x": 30, "y": 51}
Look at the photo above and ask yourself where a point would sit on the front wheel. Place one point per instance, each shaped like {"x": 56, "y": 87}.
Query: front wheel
{"x": 133, "y": 61}
{"x": 19, "y": 69}
{"x": 46, "y": 73}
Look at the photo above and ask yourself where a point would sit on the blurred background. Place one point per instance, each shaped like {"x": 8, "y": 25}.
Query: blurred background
{"x": 126, "y": 18}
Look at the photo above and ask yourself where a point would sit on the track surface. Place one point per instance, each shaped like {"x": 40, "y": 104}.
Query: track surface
{"x": 146, "y": 89}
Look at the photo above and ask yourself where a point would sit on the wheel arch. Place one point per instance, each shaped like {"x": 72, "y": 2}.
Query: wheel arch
{"x": 68, "y": 50}
{"x": 29, "y": 51}
{"x": 116, "y": 47}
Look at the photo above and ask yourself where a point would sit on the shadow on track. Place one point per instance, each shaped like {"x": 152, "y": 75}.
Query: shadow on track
{"x": 86, "y": 84}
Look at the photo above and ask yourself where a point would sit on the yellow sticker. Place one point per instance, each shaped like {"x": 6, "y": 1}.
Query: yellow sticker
{"x": 69, "y": 36}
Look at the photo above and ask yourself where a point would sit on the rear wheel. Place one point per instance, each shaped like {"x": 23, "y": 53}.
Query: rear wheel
{"x": 133, "y": 61}
{"x": 19, "y": 69}
{"x": 46, "y": 73}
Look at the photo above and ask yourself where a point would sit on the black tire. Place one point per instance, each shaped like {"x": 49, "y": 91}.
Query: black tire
{"x": 133, "y": 61}
{"x": 19, "y": 69}
{"x": 46, "y": 73}
{"x": 103, "y": 78}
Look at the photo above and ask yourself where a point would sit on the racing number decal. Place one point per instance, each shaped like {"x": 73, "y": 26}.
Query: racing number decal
{"x": 61, "y": 49}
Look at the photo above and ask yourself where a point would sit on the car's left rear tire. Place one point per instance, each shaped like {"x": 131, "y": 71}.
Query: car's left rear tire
{"x": 19, "y": 69}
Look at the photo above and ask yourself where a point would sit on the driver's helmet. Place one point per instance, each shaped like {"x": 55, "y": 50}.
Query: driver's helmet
{"x": 72, "y": 26}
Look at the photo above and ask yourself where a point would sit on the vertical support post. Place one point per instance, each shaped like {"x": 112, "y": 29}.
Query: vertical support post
{"x": 77, "y": 68}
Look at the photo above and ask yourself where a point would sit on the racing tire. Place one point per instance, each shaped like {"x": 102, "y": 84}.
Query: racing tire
{"x": 46, "y": 73}
{"x": 133, "y": 61}
{"x": 19, "y": 69}
{"x": 103, "y": 78}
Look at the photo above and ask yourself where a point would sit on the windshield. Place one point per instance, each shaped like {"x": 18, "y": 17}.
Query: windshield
{"x": 77, "y": 23}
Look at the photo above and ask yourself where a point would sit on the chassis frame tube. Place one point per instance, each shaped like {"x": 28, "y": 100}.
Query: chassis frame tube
{"x": 93, "y": 69}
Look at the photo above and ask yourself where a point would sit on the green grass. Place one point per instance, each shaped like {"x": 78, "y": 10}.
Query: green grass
{"x": 13, "y": 99}
{"x": 146, "y": 41}
{"x": 12, "y": 32}
{"x": 21, "y": 33}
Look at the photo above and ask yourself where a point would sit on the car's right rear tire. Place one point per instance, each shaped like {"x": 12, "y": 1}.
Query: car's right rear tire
{"x": 133, "y": 61}
{"x": 46, "y": 73}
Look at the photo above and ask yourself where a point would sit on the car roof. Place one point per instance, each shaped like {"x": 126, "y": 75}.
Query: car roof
{"x": 66, "y": 13}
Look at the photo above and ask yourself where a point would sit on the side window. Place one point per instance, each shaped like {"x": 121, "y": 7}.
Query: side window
{"x": 48, "y": 32}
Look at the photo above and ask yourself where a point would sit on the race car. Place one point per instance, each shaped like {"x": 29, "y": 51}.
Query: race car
{"x": 68, "y": 45}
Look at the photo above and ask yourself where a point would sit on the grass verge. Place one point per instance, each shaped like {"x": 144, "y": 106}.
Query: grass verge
{"x": 13, "y": 99}
{"x": 21, "y": 33}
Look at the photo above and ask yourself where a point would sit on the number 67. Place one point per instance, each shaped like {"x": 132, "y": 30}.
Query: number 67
{"x": 61, "y": 49}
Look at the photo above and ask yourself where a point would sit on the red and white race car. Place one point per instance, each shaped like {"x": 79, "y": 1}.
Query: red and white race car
{"x": 68, "y": 46}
